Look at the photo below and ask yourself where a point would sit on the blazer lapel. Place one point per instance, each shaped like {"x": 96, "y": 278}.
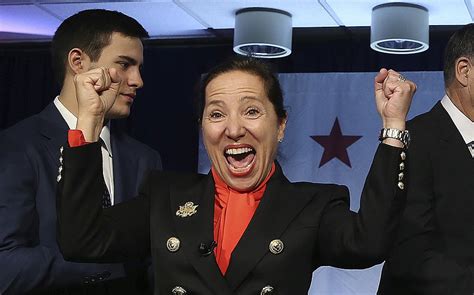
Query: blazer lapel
{"x": 198, "y": 228}
{"x": 452, "y": 147}
{"x": 54, "y": 129}
{"x": 125, "y": 166}
{"x": 275, "y": 212}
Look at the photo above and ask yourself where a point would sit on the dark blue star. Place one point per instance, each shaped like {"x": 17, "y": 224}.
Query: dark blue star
{"x": 335, "y": 145}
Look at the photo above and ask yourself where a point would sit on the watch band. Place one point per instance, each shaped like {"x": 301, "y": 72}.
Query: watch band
{"x": 401, "y": 135}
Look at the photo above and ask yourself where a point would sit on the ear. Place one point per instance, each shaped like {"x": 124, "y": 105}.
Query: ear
{"x": 77, "y": 61}
{"x": 281, "y": 128}
{"x": 462, "y": 67}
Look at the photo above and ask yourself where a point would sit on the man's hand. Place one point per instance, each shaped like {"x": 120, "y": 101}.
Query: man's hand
{"x": 96, "y": 91}
{"x": 393, "y": 96}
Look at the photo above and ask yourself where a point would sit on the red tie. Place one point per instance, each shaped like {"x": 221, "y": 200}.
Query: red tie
{"x": 233, "y": 211}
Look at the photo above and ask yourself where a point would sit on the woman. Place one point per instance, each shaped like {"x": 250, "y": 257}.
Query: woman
{"x": 243, "y": 228}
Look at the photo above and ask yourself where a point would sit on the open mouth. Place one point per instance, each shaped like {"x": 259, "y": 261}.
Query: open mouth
{"x": 240, "y": 159}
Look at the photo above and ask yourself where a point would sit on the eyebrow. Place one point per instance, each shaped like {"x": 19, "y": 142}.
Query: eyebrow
{"x": 129, "y": 59}
{"x": 242, "y": 99}
{"x": 215, "y": 102}
{"x": 248, "y": 98}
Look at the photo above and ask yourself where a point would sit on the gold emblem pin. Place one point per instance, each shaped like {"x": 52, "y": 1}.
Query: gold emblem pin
{"x": 187, "y": 210}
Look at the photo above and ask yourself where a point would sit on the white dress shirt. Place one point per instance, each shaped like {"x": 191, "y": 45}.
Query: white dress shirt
{"x": 107, "y": 162}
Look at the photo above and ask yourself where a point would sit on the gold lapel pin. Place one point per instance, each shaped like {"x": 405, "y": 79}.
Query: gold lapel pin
{"x": 187, "y": 210}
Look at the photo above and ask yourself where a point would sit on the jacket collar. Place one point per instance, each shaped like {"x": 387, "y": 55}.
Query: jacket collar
{"x": 53, "y": 128}
{"x": 125, "y": 165}
{"x": 448, "y": 132}
{"x": 198, "y": 228}
{"x": 279, "y": 206}
{"x": 452, "y": 146}
{"x": 272, "y": 217}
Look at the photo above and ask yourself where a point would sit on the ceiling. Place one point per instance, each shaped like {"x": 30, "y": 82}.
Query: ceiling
{"x": 36, "y": 20}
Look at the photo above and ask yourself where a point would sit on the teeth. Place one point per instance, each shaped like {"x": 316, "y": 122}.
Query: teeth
{"x": 238, "y": 151}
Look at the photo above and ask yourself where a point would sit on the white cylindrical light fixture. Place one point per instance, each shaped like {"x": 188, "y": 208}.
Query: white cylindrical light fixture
{"x": 399, "y": 28}
{"x": 263, "y": 32}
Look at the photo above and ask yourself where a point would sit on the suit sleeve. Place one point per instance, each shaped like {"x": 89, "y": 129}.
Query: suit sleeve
{"x": 359, "y": 240}
{"x": 24, "y": 263}
{"x": 417, "y": 263}
{"x": 88, "y": 233}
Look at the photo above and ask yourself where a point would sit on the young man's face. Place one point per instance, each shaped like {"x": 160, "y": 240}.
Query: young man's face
{"x": 126, "y": 55}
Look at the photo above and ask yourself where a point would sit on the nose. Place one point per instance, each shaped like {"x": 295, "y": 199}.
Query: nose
{"x": 135, "y": 79}
{"x": 235, "y": 128}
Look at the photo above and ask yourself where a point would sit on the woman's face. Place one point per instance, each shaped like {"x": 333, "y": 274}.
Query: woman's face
{"x": 240, "y": 129}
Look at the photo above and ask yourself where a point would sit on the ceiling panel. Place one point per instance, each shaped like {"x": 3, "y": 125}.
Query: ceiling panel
{"x": 441, "y": 12}
{"x": 220, "y": 14}
{"x": 160, "y": 18}
{"x": 28, "y": 19}
{"x": 189, "y": 18}
{"x": 14, "y": 2}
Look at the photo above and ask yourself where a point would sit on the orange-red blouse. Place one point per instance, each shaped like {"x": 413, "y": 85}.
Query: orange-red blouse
{"x": 233, "y": 211}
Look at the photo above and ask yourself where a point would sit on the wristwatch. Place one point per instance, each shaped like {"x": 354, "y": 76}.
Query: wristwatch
{"x": 403, "y": 136}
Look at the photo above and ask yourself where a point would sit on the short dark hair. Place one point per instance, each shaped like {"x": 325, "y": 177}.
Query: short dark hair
{"x": 254, "y": 66}
{"x": 91, "y": 31}
{"x": 460, "y": 44}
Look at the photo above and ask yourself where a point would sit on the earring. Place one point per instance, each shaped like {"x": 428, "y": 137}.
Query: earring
{"x": 280, "y": 140}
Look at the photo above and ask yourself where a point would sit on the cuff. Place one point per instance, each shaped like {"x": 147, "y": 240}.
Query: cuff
{"x": 76, "y": 138}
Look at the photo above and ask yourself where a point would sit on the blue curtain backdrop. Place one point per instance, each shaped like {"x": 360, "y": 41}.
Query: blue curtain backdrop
{"x": 331, "y": 137}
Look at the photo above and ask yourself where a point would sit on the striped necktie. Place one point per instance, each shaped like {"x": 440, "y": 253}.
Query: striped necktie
{"x": 471, "y": 148}
{"x": 106, "y": 201}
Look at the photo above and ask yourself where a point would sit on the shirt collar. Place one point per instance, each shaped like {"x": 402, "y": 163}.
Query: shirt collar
{"x": 463, "y": 123}
{"x": 71, "y": 121}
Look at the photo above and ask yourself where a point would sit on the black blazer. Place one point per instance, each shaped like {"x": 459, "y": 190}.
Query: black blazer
{"x": 435, "y": 248}
{"x": 312, "y": 220}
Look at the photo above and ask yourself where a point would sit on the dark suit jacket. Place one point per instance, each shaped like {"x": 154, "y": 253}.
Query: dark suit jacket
{"x": 435, "y": 248}
{"x": 29, "y": 162}
{"x": 312, "y": 220}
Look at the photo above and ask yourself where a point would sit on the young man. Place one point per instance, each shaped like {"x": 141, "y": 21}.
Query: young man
{"x": 435, "y": 249}
{"x": 87, "y": 43}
